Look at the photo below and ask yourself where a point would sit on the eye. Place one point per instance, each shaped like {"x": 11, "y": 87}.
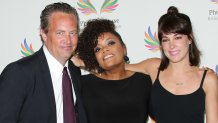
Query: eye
{"x": 73, "y": 33}
{"x": 178, "y": 37}
{"x": 111, "y": 42}
{"x": 164, "y": 40}
{"x": 60, "y": 33}
{"x": 97, "y": 49}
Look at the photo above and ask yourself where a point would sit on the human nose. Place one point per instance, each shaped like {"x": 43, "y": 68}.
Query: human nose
{"x": 68, "y": 38}
{"x": 105, "y": 49}
{"x": 171, "y": 44}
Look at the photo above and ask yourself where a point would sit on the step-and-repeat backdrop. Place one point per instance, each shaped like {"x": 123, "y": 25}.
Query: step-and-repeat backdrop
{"x": 136, "y": 20}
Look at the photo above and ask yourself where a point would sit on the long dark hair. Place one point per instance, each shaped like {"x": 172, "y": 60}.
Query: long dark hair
{"x": 175, "y": 22}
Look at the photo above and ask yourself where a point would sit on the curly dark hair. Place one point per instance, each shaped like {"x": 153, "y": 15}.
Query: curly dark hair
{"x": 88, "y": 40}
{"x": 175, "y": 22}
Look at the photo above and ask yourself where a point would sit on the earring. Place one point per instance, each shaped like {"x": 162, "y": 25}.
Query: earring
{"x": 100, "y": 70}
{"x": 126, "y": 59}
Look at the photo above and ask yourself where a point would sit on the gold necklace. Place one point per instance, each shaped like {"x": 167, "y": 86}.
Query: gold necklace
{"x": 179, "y": 83}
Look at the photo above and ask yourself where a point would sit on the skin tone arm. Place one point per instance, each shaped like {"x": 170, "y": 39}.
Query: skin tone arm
{"x": 148, "y": 66}
{"x": 211, "y": 89}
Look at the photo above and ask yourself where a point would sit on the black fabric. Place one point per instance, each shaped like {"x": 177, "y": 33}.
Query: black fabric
{"x": 26, "y": 91}
{"x": 116, "y": 101}
{"x": 165, "y": 107}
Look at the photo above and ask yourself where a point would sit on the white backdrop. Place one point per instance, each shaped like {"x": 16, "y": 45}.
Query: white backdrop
{"x": 20, "y": 21}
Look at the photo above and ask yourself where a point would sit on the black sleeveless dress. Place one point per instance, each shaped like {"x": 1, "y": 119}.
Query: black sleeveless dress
{"x": 116, "y": 101}
{"x": 166, "y": 107}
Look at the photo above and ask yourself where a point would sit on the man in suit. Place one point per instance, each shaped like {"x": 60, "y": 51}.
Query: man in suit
{"x": 31, "y": 88}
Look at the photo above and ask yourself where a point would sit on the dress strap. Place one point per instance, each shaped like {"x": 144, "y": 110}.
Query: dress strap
{"x": 158, "y": 74}
{"x": 202, "y": 80}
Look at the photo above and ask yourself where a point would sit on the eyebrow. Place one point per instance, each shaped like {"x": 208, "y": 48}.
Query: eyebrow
{"x": 174, "y": 34}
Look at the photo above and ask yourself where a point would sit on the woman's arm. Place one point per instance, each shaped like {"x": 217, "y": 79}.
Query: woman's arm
{"x": 211, "y": 90}
{"x": 148, "y": 66}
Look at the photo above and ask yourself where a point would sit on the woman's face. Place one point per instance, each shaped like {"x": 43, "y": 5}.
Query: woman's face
{"x": 109, "y": 51}
{"x": 176, "y": 47}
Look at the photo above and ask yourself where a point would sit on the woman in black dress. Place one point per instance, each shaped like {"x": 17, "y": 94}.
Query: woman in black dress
{"x": 110, "y": 93}
{"x": 181, "y": 92}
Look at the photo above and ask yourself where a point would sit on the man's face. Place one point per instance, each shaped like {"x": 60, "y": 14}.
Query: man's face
{"x": 62, "y": 37}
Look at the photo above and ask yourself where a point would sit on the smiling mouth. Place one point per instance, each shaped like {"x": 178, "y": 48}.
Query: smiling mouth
{"x": 173, "y": 53}
{"x": 67, "y": 47}
{"x": 108, "y": 57}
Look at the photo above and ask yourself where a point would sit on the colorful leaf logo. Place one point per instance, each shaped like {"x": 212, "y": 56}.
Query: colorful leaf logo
{"x": 214, "y": 1}
{"x": 109, "y": 6}
{"x": 25, "y": 49}
{"x": 152, "y": 42}
{"x": 87, "y": 8}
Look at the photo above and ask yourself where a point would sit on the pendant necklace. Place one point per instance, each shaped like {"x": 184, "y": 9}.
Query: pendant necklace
{"x": 179, "y": 83}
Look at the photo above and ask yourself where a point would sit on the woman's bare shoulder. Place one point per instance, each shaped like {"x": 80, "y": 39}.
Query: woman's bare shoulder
{"x": 211, "y": 80}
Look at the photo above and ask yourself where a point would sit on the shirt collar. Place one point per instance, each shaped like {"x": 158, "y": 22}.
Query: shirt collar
{"x": 54, "y": 65}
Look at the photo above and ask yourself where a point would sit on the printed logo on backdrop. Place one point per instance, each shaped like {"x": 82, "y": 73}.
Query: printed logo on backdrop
{"x": 87, "y": 7}
{"x": 96, "y": 9}
{"x": 213, "y": 13}
{"x": 214, "y": 1}
{"x": 151, "y": 40}
{"x": 26, "y": 50}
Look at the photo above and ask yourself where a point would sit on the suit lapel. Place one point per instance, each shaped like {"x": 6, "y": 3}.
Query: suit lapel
{"x": 45, "y": 76}
{"x": 75, "y": 76}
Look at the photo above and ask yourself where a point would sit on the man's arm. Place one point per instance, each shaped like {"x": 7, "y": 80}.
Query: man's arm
{"x": 11, "y": 93}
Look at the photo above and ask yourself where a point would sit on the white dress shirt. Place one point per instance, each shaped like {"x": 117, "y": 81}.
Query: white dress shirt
{"x": 56, "y": 69}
